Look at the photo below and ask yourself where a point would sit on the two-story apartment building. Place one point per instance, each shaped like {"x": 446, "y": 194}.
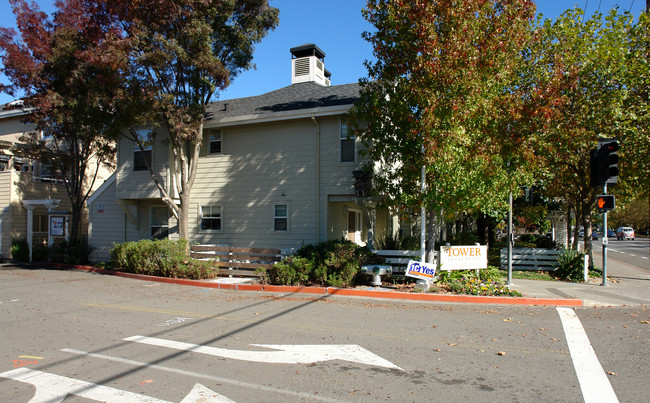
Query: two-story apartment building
{"x": 275, "y": 170}
{"x": 33, "y": 201}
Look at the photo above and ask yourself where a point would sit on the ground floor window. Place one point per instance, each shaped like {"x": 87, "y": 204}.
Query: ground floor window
{"x": 159, "y": 222}
{"x": 210, "y": 218}
{"x": 281, "y": 217}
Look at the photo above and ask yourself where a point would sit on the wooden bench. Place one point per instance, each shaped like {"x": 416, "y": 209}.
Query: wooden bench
{"x": 530, "y": 259}
{"x": 233, "y": 261}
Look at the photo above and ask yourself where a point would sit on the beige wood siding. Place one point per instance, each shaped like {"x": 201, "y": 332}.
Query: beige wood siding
{"x": 138, "y": 184}
{"x": 5, "y": 213}
{"x": 107, "y": 221}
{"x": 260, "y": 165}
{"x": 335, "y": 175}
{"x": 13, "y": 127}
{"x": 24, "y": 188}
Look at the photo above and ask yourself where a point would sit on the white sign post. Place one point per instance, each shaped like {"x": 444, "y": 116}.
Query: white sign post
{"x": 463, "y": 257}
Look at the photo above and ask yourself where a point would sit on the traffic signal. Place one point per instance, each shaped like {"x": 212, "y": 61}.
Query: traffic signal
{"x": 605, "y": 203}
{"x": 604, "y": 163}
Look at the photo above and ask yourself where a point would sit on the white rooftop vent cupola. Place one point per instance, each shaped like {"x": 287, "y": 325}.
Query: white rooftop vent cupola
{"x": 308, "y": 65}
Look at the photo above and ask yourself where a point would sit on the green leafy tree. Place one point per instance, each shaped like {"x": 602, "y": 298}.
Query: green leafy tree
{"x": 181, "y": 53}
{"x": 443, "y": 94}
{"x": 69, "y": 96}
{"x": 580, "y": 74}
{"x": 635, "y": 139}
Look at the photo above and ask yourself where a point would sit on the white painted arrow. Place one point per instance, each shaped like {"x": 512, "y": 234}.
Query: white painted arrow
{"x": 52, "y": 388}
{"x": 282, "y": 354}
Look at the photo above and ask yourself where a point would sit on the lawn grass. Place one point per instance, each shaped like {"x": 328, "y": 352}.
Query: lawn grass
{"x": 529, "y": 275}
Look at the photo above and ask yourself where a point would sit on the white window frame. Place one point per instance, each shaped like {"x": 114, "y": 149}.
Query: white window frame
{"x": 201, "y": 218}
{"x": 218, "y": 137}
{"x": 344, "y": 137}
{"x": 152, "y": 225}
{"x": 277, "y": 217}
{"x": 143, "y": 135}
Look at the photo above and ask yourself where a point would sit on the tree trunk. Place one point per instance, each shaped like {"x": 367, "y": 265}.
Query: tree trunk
{"x": 576, "y": 230}
{"x": 482, "y": 228}
{"x": 569, "y": 233}
{"x": 74, "y": 237}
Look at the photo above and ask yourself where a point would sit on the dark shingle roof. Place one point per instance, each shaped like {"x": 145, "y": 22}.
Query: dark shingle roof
{"x": 295, "y": 97}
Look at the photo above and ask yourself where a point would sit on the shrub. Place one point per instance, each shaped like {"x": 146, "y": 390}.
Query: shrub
{"x": 69, "y": 252}
{"x": 535, "y": 241}
{"x": 487, "y": 282}
{"x": 331, "y": 263}
{"x": 164, "y": 258}
{"x": 40, "y": 252}
{"x": 570, "y": 265}
{"x": 292, "y": 270}
{"x": 396, "y": 242}
{"x": 20, "y": 250}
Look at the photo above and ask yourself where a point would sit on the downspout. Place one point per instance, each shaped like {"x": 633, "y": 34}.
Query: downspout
{"x": 313, "y": 119}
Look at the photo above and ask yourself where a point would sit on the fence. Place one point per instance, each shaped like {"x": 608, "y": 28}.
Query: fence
{"x": 530, "y": 259}
{"x": 237, "y": 261}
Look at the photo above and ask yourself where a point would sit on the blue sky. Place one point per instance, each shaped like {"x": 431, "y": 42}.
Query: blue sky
{"x": 336, "y": 27}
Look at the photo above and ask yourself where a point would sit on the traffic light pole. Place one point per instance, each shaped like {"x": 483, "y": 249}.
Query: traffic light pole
{"x": 604, "y": 284}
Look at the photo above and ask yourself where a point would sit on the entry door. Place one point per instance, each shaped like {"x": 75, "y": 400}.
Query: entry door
{"x": 354, "y": 226}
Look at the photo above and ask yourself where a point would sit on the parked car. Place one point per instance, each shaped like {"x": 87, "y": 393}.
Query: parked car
{"x": 611, "y": 233}
{"x": 594, "y": 236}
{"x": 625, "y": 233}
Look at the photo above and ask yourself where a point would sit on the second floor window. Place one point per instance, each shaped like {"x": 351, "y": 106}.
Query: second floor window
{"x": 348, "y": 145}
{"x": 140, "y": 157}
{"x": 215, "y": 142}
{"x": 4, "y": 162}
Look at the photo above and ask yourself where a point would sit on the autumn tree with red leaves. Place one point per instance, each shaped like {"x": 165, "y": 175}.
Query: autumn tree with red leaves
{"x": 53, "y": 64}
{"x": 443, "y": 94}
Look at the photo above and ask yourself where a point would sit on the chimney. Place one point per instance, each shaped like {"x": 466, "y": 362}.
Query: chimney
{"x": 308, "y": 65}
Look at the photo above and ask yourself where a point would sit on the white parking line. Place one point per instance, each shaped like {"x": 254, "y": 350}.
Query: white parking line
{"x": 593, "y": 381}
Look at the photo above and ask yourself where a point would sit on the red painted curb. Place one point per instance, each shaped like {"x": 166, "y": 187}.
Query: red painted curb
{"x": 412, "y": 296}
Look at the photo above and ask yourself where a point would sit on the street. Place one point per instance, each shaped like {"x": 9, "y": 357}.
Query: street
{"x": 105, "y": 338}
{"x": 635, "y": 252}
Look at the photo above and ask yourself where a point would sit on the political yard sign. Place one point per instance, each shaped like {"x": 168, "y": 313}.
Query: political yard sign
{"x": 421, "y": 270}
{"x": 463, "y": 257}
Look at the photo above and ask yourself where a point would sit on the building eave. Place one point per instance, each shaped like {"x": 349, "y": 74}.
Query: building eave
{"x": 278, "y": 116}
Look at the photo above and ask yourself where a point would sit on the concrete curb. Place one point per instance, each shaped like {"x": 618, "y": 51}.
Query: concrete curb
{"x": 410, "y": 296}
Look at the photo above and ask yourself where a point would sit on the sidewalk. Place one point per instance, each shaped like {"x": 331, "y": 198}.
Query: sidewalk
{"x": 627, "y": 286}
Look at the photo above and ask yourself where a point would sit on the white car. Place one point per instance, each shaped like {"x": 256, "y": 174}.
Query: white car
{"x": 625, "y": 233}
